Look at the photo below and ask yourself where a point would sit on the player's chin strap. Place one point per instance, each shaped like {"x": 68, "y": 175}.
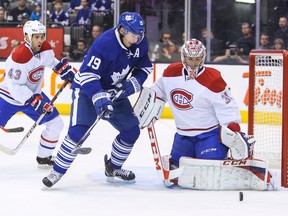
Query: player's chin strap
{"x": 86, "y": 150}
{"x": 148, "y": 109}
{"x": 10, "y": 151}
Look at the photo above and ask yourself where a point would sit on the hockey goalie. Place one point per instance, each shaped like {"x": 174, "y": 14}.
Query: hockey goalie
{"x": 209, "y": 151}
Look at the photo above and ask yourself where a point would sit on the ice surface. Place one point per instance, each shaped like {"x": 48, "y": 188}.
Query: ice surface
{"x": 83, "y": 191}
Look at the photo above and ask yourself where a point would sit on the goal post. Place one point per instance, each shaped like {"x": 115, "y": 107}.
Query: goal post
{"x": 268, "y": 107}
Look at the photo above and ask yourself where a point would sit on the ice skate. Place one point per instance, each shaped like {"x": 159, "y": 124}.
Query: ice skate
{"x": 46, "y": 162}
{"x": 125, "y": 175}
{"x": 52, "y": 178}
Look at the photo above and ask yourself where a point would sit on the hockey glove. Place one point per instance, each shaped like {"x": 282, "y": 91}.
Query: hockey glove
{"x": 65, "y": 70}
{"x": 250, "y": 141}
{"x": 40, "y": 104}
{"x": 103, "y": 103}
{"x": 129, "y": 87}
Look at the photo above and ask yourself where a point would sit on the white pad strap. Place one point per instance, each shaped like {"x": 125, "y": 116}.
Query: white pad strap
{"x": 148, "y": 107}
{"x": 223, "y": 174}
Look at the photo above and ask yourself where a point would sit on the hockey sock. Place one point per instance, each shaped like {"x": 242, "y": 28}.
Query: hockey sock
{"x": 64, "y": 156}
{"x": 120, "y": 152}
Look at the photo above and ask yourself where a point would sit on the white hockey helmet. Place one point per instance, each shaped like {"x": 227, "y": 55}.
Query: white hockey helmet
{"x": 193, "y": 48}
{"x": 33, "y": 27}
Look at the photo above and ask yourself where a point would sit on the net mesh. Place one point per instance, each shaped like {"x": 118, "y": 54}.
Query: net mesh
{"x": 268, "y": 108}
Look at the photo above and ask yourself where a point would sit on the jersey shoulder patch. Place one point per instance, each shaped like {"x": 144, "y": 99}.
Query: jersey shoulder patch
{"x": 45, "y": 46}
{"x": 212, "y": 79}
{"x": 173, "y": 70}
{"x": 22, "y": 54}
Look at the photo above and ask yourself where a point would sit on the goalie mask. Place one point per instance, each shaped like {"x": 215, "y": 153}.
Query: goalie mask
{"x": 33, "y": 27}
{"x": 132, "y": 22}
{"x": 193, "y": 54}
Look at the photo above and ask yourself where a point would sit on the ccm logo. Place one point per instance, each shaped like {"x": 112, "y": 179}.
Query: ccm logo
{"x": 234, "y": 162}
{"x": 154, "y": 147}
{"x": 146, "y": 106}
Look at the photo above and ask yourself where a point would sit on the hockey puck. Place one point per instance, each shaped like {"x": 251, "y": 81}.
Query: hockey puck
{"x": 241, "y": 196}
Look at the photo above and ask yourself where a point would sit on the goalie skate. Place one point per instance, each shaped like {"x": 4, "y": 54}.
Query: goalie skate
{"x": 122, "y": 174}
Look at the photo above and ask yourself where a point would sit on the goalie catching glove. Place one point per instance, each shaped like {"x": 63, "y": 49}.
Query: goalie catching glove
{"x": 40, "y": 104}
{"x": 240, "y": 144}
{"x": 129, "y": 87}
{"x": 65, "y": 70}
{"x": 103, "y": 103}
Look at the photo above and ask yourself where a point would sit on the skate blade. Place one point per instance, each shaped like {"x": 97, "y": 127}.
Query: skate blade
{"x": 116, "y": 180}
{"x": 44, "y": 166}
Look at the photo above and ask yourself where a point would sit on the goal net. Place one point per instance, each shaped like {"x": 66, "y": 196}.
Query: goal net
{"x": 267, "y": 109}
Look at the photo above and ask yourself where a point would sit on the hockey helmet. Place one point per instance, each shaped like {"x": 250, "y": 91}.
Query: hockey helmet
{"x": 33, "y": 27}
{"x": 132, "y": 22}
{"x": 193, "y": 48}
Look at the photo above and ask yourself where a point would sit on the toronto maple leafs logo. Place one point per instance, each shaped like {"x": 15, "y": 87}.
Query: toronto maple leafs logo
{"x": 129, "y": 54}
{"x": 119, "y": 76}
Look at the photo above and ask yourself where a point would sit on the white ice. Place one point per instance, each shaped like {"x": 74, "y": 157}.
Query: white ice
{"x": 83, "y": 191}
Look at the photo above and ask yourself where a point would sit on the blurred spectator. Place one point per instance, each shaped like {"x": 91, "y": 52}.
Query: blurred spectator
{"x": 5, "y": 4}
{"x": 83, "y": 15}
{"x": 217, "y": 46}
{"x": 166, "y": 51}
{"x": 59, "y": 15}
{"x": 15, "y": 15}
{"x": 80, "y": 51}
{"x": 264, "y": 41}
{"x": 2, "y": 15}
{"x": 278, "y": 44}
{"x": 75, "y": 5}
{"x": 95, "y": 32}
{"x": 247, "y": 42}
{"x": 36, "y": 13}
{"x": 282, "y": 32}
{"x": 231, "y": 56}
{"x": 101, "y": 5}
{"x": 66, "y": 53}
{"x": 24, "y": 18}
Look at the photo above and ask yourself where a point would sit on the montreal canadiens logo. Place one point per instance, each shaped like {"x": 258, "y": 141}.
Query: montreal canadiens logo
{"x": 35, "y": 75}
{"x": 181, "y": 99}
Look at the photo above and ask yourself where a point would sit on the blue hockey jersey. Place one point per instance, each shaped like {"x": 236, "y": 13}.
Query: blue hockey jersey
{"x": 108, "y": 62}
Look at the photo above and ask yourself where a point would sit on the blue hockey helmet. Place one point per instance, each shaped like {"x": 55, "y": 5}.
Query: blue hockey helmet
{"x": 132, "y": 22}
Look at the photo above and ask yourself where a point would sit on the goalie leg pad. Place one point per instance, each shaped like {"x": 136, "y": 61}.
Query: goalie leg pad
{"x": 223, "y": 174}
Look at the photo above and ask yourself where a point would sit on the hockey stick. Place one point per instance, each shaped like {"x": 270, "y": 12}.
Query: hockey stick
{"x": 16, "y": 149}
{"x": 86, "y": 150}
{"x": 12, "y": 130}
{"x": 166, "y": 174}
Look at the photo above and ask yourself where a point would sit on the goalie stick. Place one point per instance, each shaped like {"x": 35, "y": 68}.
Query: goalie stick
{"x": 86, "y": 150}
{"x": 164, "y": 173}
{"x": 10, "y": 151}
{"x": 12, "y": 130}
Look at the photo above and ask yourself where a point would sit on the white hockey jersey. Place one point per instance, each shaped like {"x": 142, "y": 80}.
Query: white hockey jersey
{"x": 198, "y": 105}
{"x": 24, "y": 73}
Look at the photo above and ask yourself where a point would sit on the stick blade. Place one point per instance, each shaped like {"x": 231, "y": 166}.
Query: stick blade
{"x": 7, "y": 151}
{"x": 13, "y": 130}
{"x": 83, "y": 151}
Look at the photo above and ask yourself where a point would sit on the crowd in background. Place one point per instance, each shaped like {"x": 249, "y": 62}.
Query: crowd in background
{"x": 95, "y": 16}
